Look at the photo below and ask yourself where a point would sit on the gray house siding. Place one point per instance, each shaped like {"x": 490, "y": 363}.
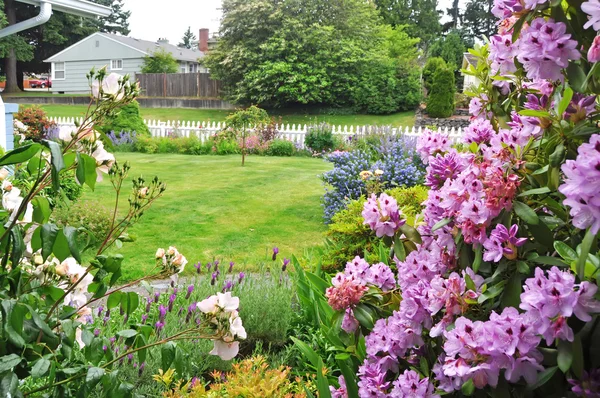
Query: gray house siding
{"x": 75, "y": 81}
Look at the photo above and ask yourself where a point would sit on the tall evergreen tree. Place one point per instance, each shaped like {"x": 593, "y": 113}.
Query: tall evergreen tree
{"x": 188, "y": 39}
{"x": 420, "y": 16}
{"x": 455, "y": 16}
{"x": 478, "y": 19}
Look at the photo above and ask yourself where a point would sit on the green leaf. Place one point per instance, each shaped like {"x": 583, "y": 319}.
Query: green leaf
{"x": 547, "y": 260}
{"x": 411, "y": 233}
{"x": 565, "y": 355}
{"x": 71, "y": 236}
{"x": 9, "y": 384}
{"x": 578, "y": 357}
{"x": 534, "y": 113}
{"x": 86, "y": 170}
{"x": 308, "y": 352}
{"x": 48, "y": 236}
{"x": 127, "y": 333}
{"x": 93, "y": 376}
{"x": 543, "y": 377}
{"x": 557, "y": 156}
{"x": 41, "y": 209}
{"x": 440, "y": 224}
{"x": 492, "y": 292}
{"x": 565, "y": 251}
{"x": 350, "y": 378}
{"x": 585, "y": 246}
{"x": 61, "y": 247}
{"x": 114, "y": 300}
{"x": 56, "y": 161}
{"x": 8, "y": 362}
{"x": 40, "y": 368}
{"x": 535, "y": 191}
{"x": 399, "y": 250}
{"x": 167, "y": 354}
{"x": 39, "y": 322}
{"x": 478, "y": 259}
{"x": 20, "y": 154}
{"x": 468, "y": 388}
{"x": 364, "y": 315}
{"x": 526, "y": 213}
{"x": 469, "y": 282}
{"x": 511, "y": 297}
{"x": 18, "y": 245}
{"x": 565, "y": 101}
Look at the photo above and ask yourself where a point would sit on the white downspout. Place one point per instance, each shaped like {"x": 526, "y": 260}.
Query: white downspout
{"x": 41, "y": 18}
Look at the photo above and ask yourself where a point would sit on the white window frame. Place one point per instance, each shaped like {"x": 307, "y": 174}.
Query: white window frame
{"x": 63, "y": 70}
{"x": 183, "y": 67}
{"x": 112, "y": 64}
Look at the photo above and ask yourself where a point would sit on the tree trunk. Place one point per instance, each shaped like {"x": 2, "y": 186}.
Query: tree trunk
{"x": 10, "y": 63}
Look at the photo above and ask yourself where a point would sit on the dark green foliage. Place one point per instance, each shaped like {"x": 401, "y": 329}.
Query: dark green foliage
{"x": 279, "y": 147}
{"x": 409, "y": 92}
{"x": 450, "y": 48}
{"x": 320, "y": 138}
{"x": 377, "y": 92}
{"x": 441, "y": 99}
{"x": 128, "y": 119}
{"x": 93, "y": 217}
{"x": 348, "y": 237}
{"x": 188, "y": 39}
{"x": 478, "y": 19}
{"x": 431, "y": 66}
{"x": 69, "y": 190}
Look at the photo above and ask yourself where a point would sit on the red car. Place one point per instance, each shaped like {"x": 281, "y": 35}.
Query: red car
{"x": 42, "y": 82}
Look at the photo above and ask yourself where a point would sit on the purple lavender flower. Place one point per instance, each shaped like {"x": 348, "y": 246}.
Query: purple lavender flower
{"x": 158, "y": 326}
{"x": 149, "y": 302}
{"x": 286, "y": 261}
{"x": 214, "y": 278}
{"x": 112, "y": 341}
{"x": 198, "y": 267}
{"x": 227, "y": 286}
{"x": 156, "y": 297}
{"x": 162, "y": 312}
{"x": 144, "y": 319}
{"x": 141, "y": 369}
{"x": 100, "y": 310}
{"x": 130, "y": 358}
{"x": 231, "y": 264}
{"x": 241, "y": 277}
{"x": 104, "y": 348}
{"x": 208, "y": 266}
{"x": 175, "y": 290}
{"x": 190, "y": 289}
{"x": 172, "y": 298}
{"x": 96, "y": 332}
{"x": 275, "y": 252}
{"x": 190, "y": 312}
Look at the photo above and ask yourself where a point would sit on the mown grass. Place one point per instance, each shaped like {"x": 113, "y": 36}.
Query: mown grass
{"x": 287, "y": 116}
{"x": 214, "y": 208}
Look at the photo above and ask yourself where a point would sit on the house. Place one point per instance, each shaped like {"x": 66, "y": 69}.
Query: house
{"x": 469, "y": 80}
{"x": 120, "y": 54}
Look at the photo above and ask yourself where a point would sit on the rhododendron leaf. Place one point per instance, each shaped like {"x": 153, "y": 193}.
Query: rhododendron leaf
{"x": 468, "y": 388}
{"x": 526, "y": 213}
{"x": 557, "y": 157}
{"x": 565, "y": 101}
{"x": 411, "y": 233}
{"x": 534, "y": 113}
{"x": 20, "y": 154}
{"x": 114, "y": 300}
{"x": 383, "y": 254}
{"x": 547, "y": 260}
{"x": 576, "y": 75}
{"x": 542, "y": 170}
{"x": 535, "y": 191}
{"x": 583, "y": 250}
{"x": 424, "y": 366}
{"x": 349, "y": 378}
{"x": 167, "y": 354}
{"x": 565, "y": 355}
{"x": 399, "y": 250}
{"x": 440, "y": 224}
{"x": 565, "y": 251}
{"x": 364, "y": 315}
{"x": 555, "y": 207}
{"x": 469, "y": 282}
{"x": 542, "y": 235}
{"x": 492, "y": 292}
{"x": 478, "y": 259}
{"x": 543, "y": 378}
{"x": 578, "y": 357}
{"x": 511, "y": 297}
{"x": 522, "y": 267}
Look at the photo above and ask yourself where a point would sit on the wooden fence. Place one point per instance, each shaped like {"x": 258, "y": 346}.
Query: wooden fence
{"x": 198, "y": 85}
{"x": 294, "y": 133}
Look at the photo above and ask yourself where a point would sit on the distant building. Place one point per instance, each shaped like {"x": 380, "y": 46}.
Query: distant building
{"x": 469, "y": 80}
{"x": 120, "y": 54}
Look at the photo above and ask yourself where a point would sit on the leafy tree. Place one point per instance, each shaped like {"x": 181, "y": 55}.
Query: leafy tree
{"x": 441, "y": 98}
{"x": 187, "y": 41}
{"x": 161, "y": 61}
{"x": 478, "y": 19}
{"x": 116, "y": 22}
{"x": 451, "y": 48}
{"x": 400, "y": 44}
{"x": 420, "y": 16}
{"x": 432, "y": 65}
{"x": 455, "y": 16}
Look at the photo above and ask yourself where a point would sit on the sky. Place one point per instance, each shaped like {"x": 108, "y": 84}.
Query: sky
{"x": 152, "y": 19}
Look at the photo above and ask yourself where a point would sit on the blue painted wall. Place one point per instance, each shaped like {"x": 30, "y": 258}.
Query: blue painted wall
{"x": 10, "y": 109}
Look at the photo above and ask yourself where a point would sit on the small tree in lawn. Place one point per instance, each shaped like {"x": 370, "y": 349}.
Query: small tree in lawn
{"x": 161, "y": 61}
{"x": 441, "y": 99}
{"x": 244, "y": 118}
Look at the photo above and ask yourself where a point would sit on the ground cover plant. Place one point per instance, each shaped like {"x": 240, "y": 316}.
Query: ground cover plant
{"x": 495, "y": 292}
{"x": 288, "y": 116}
{"x": 217, "y": 209}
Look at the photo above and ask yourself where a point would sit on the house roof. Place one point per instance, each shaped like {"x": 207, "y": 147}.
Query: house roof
{"x": 144, "y": 47}
{"x": 148, "y": 47}
{"x": 470, "y": 58}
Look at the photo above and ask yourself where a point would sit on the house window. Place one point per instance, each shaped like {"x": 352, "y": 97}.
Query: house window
{"x": 58, "y": 71}
{"x": 191, "y": 68}
{"x": 116, "y": 64}
{"x": 183, "y": 68}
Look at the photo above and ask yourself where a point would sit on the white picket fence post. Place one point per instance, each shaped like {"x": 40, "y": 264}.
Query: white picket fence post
{"x": 294, "y": 133}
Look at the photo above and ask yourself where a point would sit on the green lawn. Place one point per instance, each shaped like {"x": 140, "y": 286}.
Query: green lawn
{"x": 291, "y": 117}
{"x": 213, "y": 207}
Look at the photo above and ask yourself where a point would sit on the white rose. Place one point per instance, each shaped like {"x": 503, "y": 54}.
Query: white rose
{"x": 160, "y": 253}
{"x": 7, "y": 185}
{"x": 110, "y": 86}
{"x": 226, "y": 351}
{"x": 3, "y": 174}
{"x": 65, "y": 133}
{"x": 172, "y": 251}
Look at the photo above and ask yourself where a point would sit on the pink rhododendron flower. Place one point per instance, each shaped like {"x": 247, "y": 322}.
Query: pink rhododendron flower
{"x": 593, "y": 54}
{"x": 431, "y": 142}
{"x": 382, "y": 215}
{"x": 502, "y": 242}
{"x": 592, "y": 8}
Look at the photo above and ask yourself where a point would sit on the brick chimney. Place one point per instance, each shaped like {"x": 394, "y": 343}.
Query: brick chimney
{"x": 203, "y": 40}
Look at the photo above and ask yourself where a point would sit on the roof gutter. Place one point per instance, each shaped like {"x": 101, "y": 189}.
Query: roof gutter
{"x": 40, "y": 19}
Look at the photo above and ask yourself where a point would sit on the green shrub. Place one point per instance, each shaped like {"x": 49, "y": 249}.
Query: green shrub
{"x": 377, "y": 91}
{"x": 441, "y": 98}
{"x": 461, "y": 100}
{"x": 319, "y": 138}
{"x": 408, "y": 90}
{"x": 348, "y": 237}
{"x": 279, "y": 147}
{"x": 35, "y": 120}
{"x": 432, "y": 65}
{"x": 226, "y": 147}
{"x": 70, "y": 190}
{"x": 92, "y": 216}
{"x": 146, "y": 144}
{"x": 128, "y": 119}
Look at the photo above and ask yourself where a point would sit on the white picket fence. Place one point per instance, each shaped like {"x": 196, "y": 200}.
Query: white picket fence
{"x": 294, "y": 133}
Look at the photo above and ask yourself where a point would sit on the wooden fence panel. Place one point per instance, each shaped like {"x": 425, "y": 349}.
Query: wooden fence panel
{"x": 173, "y": 85}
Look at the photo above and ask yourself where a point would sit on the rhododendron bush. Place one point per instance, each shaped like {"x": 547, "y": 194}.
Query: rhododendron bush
{"x": 495, "y": 292}
{"x": 47, "y": 341}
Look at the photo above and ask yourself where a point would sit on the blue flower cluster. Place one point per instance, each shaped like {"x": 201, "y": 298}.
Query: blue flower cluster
{"x": 124, "y": 138}
{"x": 395, "y": 156}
